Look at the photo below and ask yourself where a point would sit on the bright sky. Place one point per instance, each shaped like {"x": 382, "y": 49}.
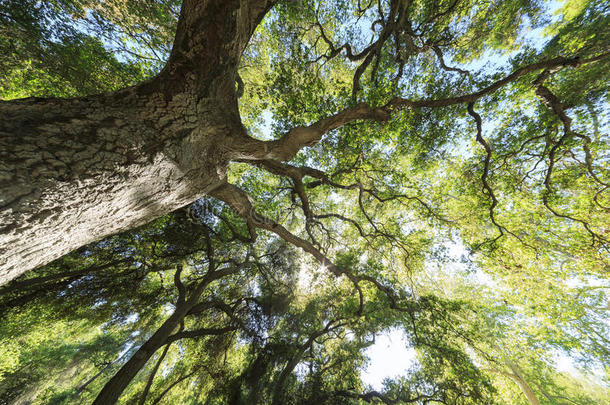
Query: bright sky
{"x": 390, "y": 357}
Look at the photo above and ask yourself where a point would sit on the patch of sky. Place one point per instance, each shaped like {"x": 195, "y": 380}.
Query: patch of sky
{"x": 98, "y": 303}
{"x": 264, "y": 131}
{"x": 311, "y": 275}
{"x": 301, "y": 370}
{"x": 128, "y": 347}
{"x": 168, "y": 308}
{"x": 132, "y": 318}
{"x": 391, "y": 356}
{"x": 565, "y": 363}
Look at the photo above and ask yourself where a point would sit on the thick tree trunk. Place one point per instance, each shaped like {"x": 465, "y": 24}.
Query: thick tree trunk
{"x": 73, "y": 171}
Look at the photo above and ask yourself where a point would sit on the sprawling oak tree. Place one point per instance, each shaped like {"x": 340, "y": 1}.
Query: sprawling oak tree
{"x": 371, "y": 135}
{"x": 78, "y": 169}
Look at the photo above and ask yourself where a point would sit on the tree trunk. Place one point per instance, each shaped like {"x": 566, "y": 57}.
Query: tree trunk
{"x": 113, "y": 389}
{"x": 73, "y": 171}
{"x": 518, "y": 378}
{"x": 117, "y": 384}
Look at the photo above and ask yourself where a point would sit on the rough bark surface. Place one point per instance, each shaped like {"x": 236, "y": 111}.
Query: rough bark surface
{"x": 73, "y": 171}
{"x": 77, "y": 170}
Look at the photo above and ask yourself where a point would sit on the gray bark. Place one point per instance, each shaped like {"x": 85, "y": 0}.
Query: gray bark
{"x": 73, "y": 171}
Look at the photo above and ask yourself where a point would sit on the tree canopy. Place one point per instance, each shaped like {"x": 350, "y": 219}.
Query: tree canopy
{"x": 437, "y": 167}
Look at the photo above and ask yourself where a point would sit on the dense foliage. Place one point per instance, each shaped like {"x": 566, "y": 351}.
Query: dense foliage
{"x": 477, "y": 226}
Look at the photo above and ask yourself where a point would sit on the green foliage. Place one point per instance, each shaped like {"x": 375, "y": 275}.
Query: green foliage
{"x": 69, "y": 48}
{"x": 395, "y": 200}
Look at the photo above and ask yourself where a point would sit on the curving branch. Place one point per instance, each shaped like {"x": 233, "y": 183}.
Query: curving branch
{"x": 391, "y": 26}
{"x": 441, "y": 61}
{"x": 286, "y": 147}
{"x": 241, "y": 202}
{"x": 553, "y": 104}
{"x": 70, "y": 275}
{"x": 375, "y": 396}
{"x": 179, "y": 285}
{"x": 486, "y": 187}
{"x": 371, "y": 396}
{"x": 298, "y": 173}
{"x": 190, "y": 334}
{"x": 173, "y": 384}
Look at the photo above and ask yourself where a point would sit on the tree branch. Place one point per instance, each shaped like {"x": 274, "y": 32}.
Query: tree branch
{"x": 241, "y": 203}
{"x": 179, "y": 285}
{"x": 553, "y": 103}
{"x": 485, "y": 174}
{"x": 172, "y": 385}
{"x": 441, "y": 61}
{"x": 20, "y": 285}
{"x": 296, "y": 358}
{"x": 285, "y": 148}
{"x": 190, "y": 334}
{"x": 153, "y": 372}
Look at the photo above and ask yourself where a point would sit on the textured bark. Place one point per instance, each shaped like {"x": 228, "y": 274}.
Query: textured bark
{"x": 73, "y": 171}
